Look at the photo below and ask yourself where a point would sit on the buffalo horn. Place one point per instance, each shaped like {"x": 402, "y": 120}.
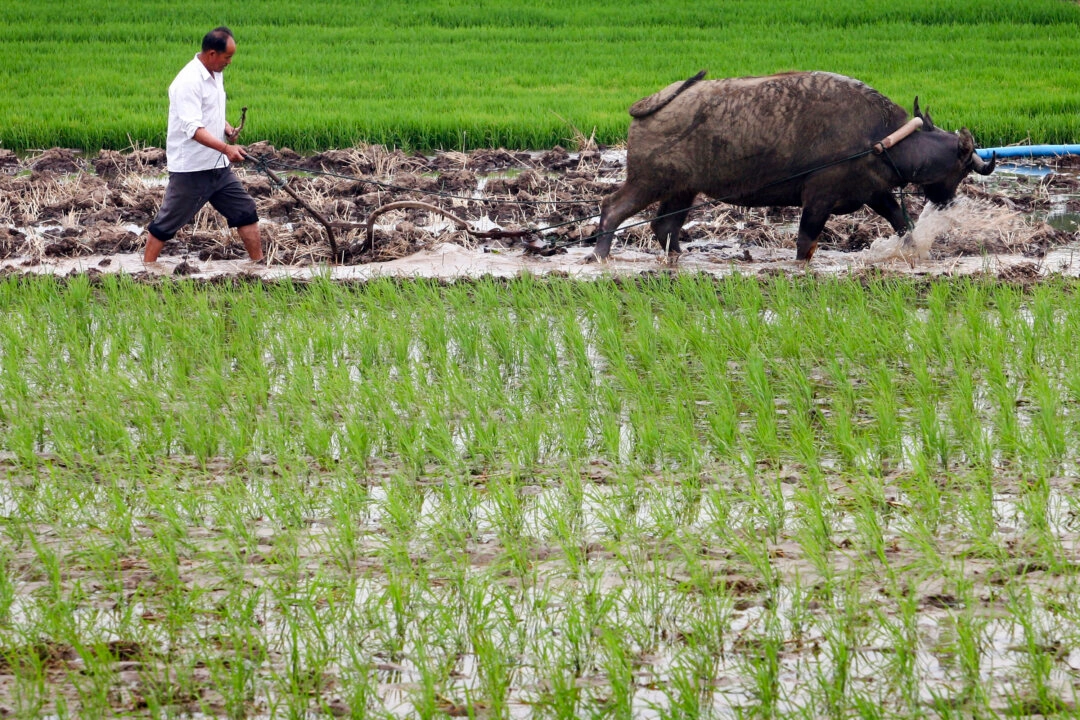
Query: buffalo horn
{"x": 981, "y": 166}
{"x": 927, "y": 122}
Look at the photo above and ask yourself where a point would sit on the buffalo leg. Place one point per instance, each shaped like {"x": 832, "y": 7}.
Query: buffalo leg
{"x": 615, "y": 208}
{"x": 885, "y": 205}
{"x": 810, "y": 226}
{"x": 669, "y": 220}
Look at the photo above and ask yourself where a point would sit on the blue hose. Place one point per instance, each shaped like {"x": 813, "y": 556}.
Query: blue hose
{"x": 1029, "y": 151}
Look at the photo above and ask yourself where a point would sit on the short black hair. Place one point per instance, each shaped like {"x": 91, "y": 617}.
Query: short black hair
{"x": 217, "y": 39}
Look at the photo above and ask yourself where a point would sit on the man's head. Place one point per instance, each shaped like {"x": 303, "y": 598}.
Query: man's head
{"x": 218, "y": 47}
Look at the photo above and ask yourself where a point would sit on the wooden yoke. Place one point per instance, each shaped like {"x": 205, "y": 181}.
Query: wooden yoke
{"x": 906, "y": 129}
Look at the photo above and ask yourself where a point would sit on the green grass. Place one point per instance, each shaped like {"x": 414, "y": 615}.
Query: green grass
{"x": 457, "y": 75}
{"x": 791, "y": 498}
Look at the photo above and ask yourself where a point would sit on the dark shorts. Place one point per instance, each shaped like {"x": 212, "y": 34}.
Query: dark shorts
{"x": 187, "y": 192}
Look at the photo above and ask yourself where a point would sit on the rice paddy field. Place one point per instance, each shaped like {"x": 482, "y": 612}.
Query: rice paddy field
{"x": 667, "y": 495}
{"x": 464, "y": 75}
{"x": 673, "y": 496}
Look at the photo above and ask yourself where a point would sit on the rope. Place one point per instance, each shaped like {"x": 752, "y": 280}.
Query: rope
{"x": 263, "y": 162}
{"x": 436, "y": 193}
{"x": 904, "y": 183}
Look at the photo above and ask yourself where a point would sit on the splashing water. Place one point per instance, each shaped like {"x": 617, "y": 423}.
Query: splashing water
{"x": 967, "y": 225}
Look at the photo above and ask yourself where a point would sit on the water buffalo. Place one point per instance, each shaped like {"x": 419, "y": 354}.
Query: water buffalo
{"x": 779, "y": 140}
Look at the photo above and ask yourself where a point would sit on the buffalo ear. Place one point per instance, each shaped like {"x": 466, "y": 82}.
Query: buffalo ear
{"x": 915, "y": 112}
{"x": 966, "y": 145}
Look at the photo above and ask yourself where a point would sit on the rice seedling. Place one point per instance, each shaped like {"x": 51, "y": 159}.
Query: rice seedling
{"x": 535, "y": 497}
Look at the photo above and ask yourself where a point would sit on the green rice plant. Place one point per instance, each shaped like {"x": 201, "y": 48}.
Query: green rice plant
{"x": 977, "y": 513}
{"x": 869, "y": 512}
{"x": 1035, "y": 688}
{"x": 903, "y": 632}
{"x": 359, "y": 688}
{"x": 235, "y": 675}
{"x": 618, "y": 671}
{"x": 763, "y": 405}
{"x": 885, "y": 409}
{"x": 561, "y": 556}
{"x": 761, "y": 656}
{"x": 29, "y": 693}
{"x": 722, "y": 416}
{"x": 802, "y": 417}
{"x": 1034, "y": 507}
{"x": 815, "y": 531}
{"x": 935, "y": 446}
{"x": 1049, "y": 428}
{"x": 463, "y": 76}
{"x": 843, "y": 420}
{"x": 965, "y": 418}
{"x": 508, "y": 518}
{"x": 651, "y": 611}
{"x": 841, "y": 641}
{"x": 686, "y": 689}
{"x": 971, "y": 645}
{"x": 565, "y": 695}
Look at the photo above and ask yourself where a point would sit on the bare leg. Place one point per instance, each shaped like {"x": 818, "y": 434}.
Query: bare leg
{"x": 249, "y": 235}
{"x": 616, "y": 207}
{"x": 669, "y": 221}
{"x": 153, "y": 248}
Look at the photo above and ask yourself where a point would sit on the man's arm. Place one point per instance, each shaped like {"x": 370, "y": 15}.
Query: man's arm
{"x": 187, "y": 103}
{"x": 204, "y": 137}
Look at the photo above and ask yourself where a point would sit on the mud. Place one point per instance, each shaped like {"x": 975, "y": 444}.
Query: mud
{"x": 62, "y": 212}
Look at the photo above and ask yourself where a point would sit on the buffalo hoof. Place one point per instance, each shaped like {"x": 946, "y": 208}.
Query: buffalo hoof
{"x": 804, "y": 252}
{"x": 593, "y": 258}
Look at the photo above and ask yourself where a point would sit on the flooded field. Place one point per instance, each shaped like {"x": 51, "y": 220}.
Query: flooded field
{"x": 680, "y": 495}
{"x": 61, "y": 213}
{"x": 220, "y": 593}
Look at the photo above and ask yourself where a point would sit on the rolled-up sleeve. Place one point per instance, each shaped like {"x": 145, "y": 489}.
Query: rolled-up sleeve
{"x": 187, "y": 103}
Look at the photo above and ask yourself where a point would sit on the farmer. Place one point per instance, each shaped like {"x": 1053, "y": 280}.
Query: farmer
{"x": 198, "y": 152}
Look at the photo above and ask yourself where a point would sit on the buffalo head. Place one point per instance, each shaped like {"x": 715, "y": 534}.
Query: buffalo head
{"x": 946, "y": 159}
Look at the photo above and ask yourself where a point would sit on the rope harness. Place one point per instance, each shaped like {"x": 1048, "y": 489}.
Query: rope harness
{"x": 262, "y": 164}
{"x": 900, "y": 192}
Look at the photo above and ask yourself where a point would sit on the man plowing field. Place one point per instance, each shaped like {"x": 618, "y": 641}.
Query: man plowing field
{"x": 199, "y": 152}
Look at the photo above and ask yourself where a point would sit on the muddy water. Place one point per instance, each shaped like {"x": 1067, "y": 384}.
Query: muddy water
{"x": 809, "y": 629}
{"x": 450, "y": 261}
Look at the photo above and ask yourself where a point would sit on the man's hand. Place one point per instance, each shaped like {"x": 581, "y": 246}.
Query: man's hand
{"x": 235, "y": 153}
{"x": 231, "y": 133}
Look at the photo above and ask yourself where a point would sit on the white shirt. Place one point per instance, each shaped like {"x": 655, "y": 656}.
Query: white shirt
{"x": 196, "y": 99}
